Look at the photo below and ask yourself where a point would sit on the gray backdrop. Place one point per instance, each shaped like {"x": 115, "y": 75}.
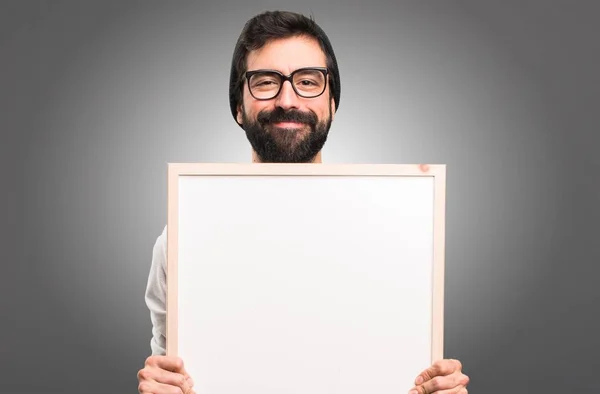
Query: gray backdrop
{"x": 96, "y": 98}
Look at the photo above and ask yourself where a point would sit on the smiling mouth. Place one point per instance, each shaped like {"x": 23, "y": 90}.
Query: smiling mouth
{"x": 289, "y": 125}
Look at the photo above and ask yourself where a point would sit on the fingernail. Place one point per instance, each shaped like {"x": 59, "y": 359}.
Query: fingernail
{"x": 413, "y": 392}
{"x": 418, "y": 381}
{"x": 190, "y": 382}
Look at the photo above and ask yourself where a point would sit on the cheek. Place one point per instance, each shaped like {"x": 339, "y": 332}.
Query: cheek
{"x": 247, "y": 101}
{"x": 323, "y": 110}
{"x": 253, "y": 107}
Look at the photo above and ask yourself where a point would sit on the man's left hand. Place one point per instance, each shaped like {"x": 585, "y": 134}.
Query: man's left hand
{"x": 443, "y": 377}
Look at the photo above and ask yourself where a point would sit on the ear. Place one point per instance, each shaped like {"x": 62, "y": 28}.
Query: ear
{"x": 239, "y": 117}
{"x": 333, "y": 109}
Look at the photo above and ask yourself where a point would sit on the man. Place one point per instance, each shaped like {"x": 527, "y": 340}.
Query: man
{"x": 284, "y": 93}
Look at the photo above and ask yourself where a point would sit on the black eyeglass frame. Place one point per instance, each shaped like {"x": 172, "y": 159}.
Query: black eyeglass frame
{"x": 289, "y": 78}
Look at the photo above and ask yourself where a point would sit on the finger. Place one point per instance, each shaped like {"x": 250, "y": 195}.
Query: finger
{"x": 145, "y": 387}
{"x": 438, "y": 368}
{"x": 154, "y": 374}
{"x": 172, "y": 379}
{"x": 455, "y": 390}
{"x": 169, "y": 363}
{"x": 161, "y": 388}
{"x": 437, "y": 384}
{"x": 152, "y": 387}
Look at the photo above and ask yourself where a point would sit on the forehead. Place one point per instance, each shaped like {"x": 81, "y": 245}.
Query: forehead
{"x": 287, "y": 55}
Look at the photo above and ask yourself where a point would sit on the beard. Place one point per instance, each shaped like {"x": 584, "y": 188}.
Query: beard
{"x": 286, "y": 145}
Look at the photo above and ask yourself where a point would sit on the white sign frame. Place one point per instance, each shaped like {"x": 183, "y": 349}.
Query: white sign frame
{"x": 437, "y": 173}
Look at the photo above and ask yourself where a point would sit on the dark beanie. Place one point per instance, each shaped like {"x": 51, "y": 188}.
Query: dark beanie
{"x": 234, "y": 83}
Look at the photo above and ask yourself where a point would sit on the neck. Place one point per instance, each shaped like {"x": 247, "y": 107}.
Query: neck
{"x": 316, "y": 160}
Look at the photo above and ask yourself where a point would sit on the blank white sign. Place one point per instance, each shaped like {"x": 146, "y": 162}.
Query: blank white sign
{"x": 305, "y": 279}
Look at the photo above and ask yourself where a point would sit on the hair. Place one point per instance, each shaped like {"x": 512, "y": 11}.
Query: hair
{"x": 272, "y": 25}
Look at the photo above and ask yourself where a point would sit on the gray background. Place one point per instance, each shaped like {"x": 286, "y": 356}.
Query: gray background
{"x": 96, "y": 98}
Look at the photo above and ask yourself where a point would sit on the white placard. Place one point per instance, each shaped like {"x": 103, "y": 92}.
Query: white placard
{"x": 305, "y": 279}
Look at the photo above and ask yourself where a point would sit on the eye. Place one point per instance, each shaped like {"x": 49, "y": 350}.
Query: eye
{"x": 264, "y": 83}
{"x": 308, "y": 82}
{"x": 264, "y": 80}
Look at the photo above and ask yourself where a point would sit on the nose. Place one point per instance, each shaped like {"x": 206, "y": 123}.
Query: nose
{"x": 287, "y": 97}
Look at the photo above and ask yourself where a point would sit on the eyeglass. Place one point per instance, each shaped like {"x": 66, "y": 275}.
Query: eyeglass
{"x": 308, "y": 82}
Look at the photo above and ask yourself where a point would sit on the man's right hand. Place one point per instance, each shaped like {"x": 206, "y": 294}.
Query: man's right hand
{"x": 164, "y": 375}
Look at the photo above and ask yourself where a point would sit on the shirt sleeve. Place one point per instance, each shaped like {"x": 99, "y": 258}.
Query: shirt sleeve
{"x": 156, "y": 294}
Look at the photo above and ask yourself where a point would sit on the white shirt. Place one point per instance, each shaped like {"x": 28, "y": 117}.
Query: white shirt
{"x": 156, "y": 294}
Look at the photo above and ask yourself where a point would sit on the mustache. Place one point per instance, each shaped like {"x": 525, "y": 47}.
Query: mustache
{"x": 280, "y": 115}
